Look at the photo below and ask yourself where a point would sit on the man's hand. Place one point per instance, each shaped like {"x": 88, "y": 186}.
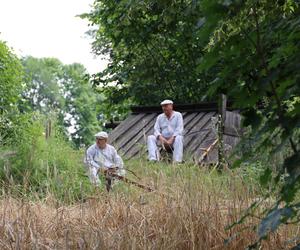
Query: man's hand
{"x": 163, "y": 140}
{"x": 102, "y": 170}
{"x": 167, "y": 143}
{"x": 171, "y": 141}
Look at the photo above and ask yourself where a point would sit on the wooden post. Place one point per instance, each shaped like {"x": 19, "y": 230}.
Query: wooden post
{"x": 221, "y": 126}
{"x": 223, "y": 108}
{"x": 48, "y": 129}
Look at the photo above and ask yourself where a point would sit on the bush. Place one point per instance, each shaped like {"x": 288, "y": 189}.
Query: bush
{"x": 44, "y": 166}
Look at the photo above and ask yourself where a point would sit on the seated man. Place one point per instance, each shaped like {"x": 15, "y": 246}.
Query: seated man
{"x": 168, "y": 131}
{"x": 102, "y": 157}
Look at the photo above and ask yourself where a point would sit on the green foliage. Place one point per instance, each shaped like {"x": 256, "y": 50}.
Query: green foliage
{"x": 10, "y": 78}
{"x": 65, "y": 91}
{"x": 188, "y": 51}
{"x": 42, "y": 77}
{"x": 249, "y": 38}
{"x": 154, "y": 48}
{"x": 266, "y": 177}
{"x": 44, "y": 166}
{"x": 11, "y": 75}
{"x": 272, "y": 221}
{"x": 254, "y": 45}
{"x": 195, "y": 50}
{"x": 82, "y": 104}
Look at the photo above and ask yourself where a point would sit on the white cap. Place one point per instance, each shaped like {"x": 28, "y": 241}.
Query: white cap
{"x": 101, "y": 134}
{"x": 166, "y": 102}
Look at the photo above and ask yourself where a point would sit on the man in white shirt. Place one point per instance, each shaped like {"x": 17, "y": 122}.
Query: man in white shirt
{"x": 168, "y": 130}
{"x": 101, "y": 157}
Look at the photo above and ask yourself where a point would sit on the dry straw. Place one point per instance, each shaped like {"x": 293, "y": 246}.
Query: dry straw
{"x": 130, "y": 218}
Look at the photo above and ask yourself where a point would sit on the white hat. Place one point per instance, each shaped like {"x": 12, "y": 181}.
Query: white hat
{"x": 166, "y": 102}
{"x": 101, "y": 134}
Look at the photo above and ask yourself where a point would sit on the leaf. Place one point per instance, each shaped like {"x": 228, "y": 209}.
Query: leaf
{"x": 296, "y": 247}
{"x": 201, "y": 22}
{"x": 292, "y": 165}
{"x": 252, "y": 117}
{"x": 266, "y": 177}
{"x": 272, "y": 221}
{"x": 237, "y": 163}
{"x": 253, "y": 246}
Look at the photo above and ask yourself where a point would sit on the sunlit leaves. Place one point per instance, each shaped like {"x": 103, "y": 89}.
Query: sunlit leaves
{"x": 65, "y": 90}
{"x": 11, "y": 77}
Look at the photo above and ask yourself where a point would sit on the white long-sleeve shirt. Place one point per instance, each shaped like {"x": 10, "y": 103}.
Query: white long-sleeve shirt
{"x": 169, "y": 127}
{"x": 103, "y": 158}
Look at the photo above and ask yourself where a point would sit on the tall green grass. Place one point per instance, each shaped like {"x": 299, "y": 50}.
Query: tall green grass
{"x": 44, "y": 166}
{"x": 48, "y": 202}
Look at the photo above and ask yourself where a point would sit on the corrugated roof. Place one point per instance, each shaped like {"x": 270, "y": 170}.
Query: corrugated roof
{"x": 130, "y": 136}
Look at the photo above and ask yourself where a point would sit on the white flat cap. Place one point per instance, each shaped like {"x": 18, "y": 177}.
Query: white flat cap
{"x": 101, "y": 134}
{"x": 166, "y": 102}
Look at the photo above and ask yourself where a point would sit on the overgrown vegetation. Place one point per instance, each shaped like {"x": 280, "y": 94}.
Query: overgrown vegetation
{"x": 196, "y": 50}
{"x": 188, "y": 51}
{"x": 41, "y": 167}
{"x": 11, "y": 75}
{"x": 200, "y": 204}
{"x": 62, "y": 92}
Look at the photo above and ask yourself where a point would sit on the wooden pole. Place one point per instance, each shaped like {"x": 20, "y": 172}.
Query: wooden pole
{"x": 110, "y": 173}
{"x": 48, "y": 129}
{"x": 221, "y": 126}
{"x": 206, "y": 151}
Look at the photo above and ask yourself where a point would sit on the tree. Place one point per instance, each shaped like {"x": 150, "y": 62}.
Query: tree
{"x": 82, "y": 104}
{"x": 154, "y": 49}
{"x": 254, "y": 50}
{"x": 196, "y": 50}
{"x": 44, "y": 89}
{"x": 66, "y": 92}
{"x": 11, "y": 75}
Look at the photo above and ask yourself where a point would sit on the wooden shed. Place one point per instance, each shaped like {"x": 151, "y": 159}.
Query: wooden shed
{"x": 130, "y": 136}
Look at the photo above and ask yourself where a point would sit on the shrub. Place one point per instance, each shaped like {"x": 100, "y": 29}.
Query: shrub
{"x": 44, "y": 166}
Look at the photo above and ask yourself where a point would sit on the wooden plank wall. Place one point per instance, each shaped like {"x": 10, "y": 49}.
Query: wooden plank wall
{"x": 130, "y": 137}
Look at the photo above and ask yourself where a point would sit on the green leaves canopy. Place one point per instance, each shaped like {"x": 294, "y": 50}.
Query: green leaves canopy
{"x": 154, "y": 49}
{"x": 11, "y": 76}
{"x": 256, "y": 48}
{"x": 64, "y": 90}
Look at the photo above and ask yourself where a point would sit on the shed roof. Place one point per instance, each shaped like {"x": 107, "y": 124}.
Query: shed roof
{"x": 130, "y": 136}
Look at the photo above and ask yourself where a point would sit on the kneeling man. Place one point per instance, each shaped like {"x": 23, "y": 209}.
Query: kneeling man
{"x": 101, "y": 157}
{"x": 168, "y": 130}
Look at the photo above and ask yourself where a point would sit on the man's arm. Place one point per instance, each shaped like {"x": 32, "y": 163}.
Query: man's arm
{"x": 179, "y": 125}
{"x": 89, "y": 158}
{"x": 171, "y": 140}
{"x": 117, "y": 159}
{"x": 157, "y": 130}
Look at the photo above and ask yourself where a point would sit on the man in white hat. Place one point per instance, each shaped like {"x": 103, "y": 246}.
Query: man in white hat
{"x": 101, "y": 157}
{"x": 168, "y": 130}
